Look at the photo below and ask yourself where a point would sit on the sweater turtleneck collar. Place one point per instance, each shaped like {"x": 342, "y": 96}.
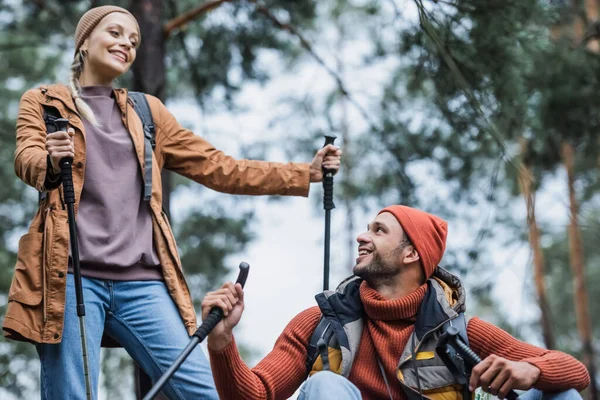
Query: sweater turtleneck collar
{"x": 378, "y": 308}
{"x": 96, "y": 91}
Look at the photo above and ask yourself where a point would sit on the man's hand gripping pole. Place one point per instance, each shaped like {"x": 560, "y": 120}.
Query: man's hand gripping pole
{"x": 214, "y": 317}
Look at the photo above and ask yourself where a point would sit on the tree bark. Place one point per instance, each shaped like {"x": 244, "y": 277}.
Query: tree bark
{"x": 538, "y": 255}
{"x": 182, "y": 20}
{"x": 149, "y": 76}
{"x": 577, "y": 265}
{"x": 149, "y": 70}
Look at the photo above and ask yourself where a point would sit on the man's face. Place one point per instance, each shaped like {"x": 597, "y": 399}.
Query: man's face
{"x": 380, "y": 249}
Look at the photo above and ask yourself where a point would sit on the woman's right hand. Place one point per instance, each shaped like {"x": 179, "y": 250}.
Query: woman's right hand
{"x": 60, "y": 145}
{"x": 230, "y": 299}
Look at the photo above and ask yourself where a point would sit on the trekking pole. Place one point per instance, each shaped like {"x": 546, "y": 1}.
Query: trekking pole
{"x": 328, "y": 206}
{"x": 66, "y": 177}
{"x": 459, "y": 358}
{"x": 213, "y": 318}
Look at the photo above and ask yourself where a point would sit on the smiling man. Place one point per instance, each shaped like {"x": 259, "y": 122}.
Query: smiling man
{"x": 375, "y": 336}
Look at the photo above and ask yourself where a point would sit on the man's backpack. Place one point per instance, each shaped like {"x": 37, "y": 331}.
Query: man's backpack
{"x": 142, "y": 109}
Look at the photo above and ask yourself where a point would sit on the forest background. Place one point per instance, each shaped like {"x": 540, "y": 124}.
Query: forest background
{"x": 483, "y": 112}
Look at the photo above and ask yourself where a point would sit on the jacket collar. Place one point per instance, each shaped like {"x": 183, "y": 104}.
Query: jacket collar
{"x": 444, "y": 300}
{"x": 61, "y": 93}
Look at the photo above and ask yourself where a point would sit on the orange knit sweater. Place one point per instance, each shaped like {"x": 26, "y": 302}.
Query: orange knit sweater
{"x": 387, "y": 329}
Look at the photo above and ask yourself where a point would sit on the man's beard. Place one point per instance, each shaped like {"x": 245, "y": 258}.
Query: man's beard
{"x": 381, "y": 270}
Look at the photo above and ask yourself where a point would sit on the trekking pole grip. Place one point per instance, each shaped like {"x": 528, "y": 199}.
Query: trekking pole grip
{"x": 66, "y": 171}
{"x": 474, "y": 359}
{"x": 216, "y": 314}
{"x": 328, "y": 178}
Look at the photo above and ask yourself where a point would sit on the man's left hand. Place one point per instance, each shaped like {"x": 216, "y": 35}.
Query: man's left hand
{"x": 497, "y": 375}
{"x": 327, "y": 157}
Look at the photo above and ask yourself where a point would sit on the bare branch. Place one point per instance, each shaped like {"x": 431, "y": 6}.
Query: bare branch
{"x": 188, "y": 16}
{"x": 308, "y": 47}
{"x": 18, "y": 46}
{"x": 459, "y": 7}
{"x": 196, "y": 79}
{"x": 397, "y": 12}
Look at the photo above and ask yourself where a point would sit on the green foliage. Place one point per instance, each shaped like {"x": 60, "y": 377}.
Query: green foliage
{"x": 205, "y": 241}
{"x": 216, "y": 53}
{"x": 219, "y": 50}
{"x": 560, "y": 287}
{"x": 430, "y": 133}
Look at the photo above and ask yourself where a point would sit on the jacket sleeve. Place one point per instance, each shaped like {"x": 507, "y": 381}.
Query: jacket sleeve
{"x": 278, "y": 375}
{"x": 190, "y": 155}
{"x": 31, "y": 157}
{"x": 559, "y": 371}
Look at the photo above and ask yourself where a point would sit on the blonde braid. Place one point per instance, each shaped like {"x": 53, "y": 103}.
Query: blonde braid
{"x": 75, "y": 88}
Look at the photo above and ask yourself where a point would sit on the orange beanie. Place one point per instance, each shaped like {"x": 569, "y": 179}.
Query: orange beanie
{"x": 425, "y": 231}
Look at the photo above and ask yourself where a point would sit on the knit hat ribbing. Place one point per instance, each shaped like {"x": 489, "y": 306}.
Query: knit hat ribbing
{"x": 426, "y": 232}
{"x": 90, "y": 19}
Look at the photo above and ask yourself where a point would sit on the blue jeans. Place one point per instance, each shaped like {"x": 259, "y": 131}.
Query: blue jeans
{"x": 143, "y": 318}
{"x": 535, "y": 394}
{"x": 326, "y": 385}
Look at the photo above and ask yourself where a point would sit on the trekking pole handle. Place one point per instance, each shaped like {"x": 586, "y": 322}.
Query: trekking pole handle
{"x": 66, "y": 164}
{"x": 329, "y": 139}
{"x": 473, "y": 358}
{"x": 216, "y": 314}
{"x": 328, "y": 178}
{"x": 214, "y": 317}
{"x": 62, "y": 124}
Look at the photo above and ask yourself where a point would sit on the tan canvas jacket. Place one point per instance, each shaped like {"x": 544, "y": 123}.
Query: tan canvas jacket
{"x": 36, "y": 299}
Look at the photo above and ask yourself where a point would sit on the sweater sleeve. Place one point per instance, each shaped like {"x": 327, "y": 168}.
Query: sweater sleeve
{"x": 278, "y": 375}
{"x": 559, "y": 371}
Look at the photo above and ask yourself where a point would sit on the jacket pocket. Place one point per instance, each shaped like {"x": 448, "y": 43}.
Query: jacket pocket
{"x": 26, "y": 286}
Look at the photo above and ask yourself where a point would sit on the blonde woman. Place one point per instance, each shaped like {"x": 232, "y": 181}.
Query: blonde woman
{"x": 134, "y": 288}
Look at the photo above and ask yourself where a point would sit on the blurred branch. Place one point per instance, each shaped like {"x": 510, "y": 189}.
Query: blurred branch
{"x": 17, "y": 46}
{"x": 196, "y": 79}
{"x": 185, "y": 18}
{"x": 459, "y": 7}
{"x": 308, "y": 47}
{"x": 189, "y": 16}
{"x": 462, "y": 82}
{"x": 397, "y": 12}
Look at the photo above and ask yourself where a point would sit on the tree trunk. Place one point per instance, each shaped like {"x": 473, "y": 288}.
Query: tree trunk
{"x": 525, "y": 180}
{"x": 149, "y": 70}
{"x": 149, "y": 77}
{"x": 577, "y": 265}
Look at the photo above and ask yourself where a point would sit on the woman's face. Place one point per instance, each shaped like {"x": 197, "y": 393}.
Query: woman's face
{"x": 111, "y": 47}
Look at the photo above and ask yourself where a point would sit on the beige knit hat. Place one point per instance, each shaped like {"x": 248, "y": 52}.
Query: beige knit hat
{"x": 90, "y": 19}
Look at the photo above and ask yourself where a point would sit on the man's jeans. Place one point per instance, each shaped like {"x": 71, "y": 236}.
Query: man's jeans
{"x": 142, "y": 317}
{"x": 327, "y": 385}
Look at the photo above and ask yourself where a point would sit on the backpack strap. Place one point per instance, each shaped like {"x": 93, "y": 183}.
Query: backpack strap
{"x": 461, "y": 323}
{"x": 459, "y": 369}
{"x": 142, "y": 109}
{"x": 320, "y": 336}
